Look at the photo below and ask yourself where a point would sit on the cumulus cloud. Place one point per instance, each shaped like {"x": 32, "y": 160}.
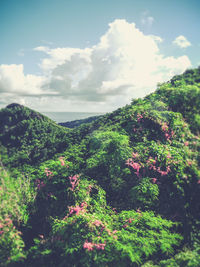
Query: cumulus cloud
{"x": 181, "y": 41}
{"x": 41, "y": 49}
{"x": 124, "y": 64}
{"x": 13, "y": 80}
{"x": 15, "y": 85}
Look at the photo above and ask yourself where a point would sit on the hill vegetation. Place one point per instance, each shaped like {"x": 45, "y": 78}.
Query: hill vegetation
{"x": 120, "y": 190}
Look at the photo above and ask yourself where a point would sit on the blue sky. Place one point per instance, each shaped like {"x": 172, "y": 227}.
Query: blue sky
{"x": 63, "y": 55}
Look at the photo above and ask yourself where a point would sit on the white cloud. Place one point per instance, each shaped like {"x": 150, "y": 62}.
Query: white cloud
{"x": 14, "y": 81}
{"x": 125, "y": 64}
{"x": 181, "y": 41}
{"x": 41, "y": 49}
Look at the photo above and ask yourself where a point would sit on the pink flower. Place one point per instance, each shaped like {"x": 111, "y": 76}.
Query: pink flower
{"x": 172, "y": 133}
{"x": 97, "y": 223}
{"x": 100, "y": 246}
{"x": 75, "y": 210}
{"x": 167, "y": 135}
{"x": 136, "y": 166}
{"x": 8, "y": 220}
{"x": 186, "y": 143}
{"x": 74, "y": 181}
{"x": 108, "y": 231}
{"x": 48, "y": 172}
{"x": 130, "y": 220}
{"x": 139, "y": 117}
{"x": 84, "y": 204}
{"x": 135, "y": 155}
{"x": 125, "y": 226}
{"x": 62, "y": 161}
{"x": 88, "y": 245}
{"x": 164, "y": 127}
{"x": 1, "y": 232}
{"x": 78, "y": 209}
{"x": 169, "y": 156}
{"x": 189, "y": 162}
{"x": 154, "y": 180}
{"x": 198, "y": 182}
{"x": 168, "y": 169}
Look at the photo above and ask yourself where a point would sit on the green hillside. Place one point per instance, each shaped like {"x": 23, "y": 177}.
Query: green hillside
{"x": 120, "y": 190}
{"x": 29, "y": 136}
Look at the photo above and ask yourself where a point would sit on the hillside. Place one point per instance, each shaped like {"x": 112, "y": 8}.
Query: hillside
{"x": 122, "y": 189}
{"x": 28, "y": 136}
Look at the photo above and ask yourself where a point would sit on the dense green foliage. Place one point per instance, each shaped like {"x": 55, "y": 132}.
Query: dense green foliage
{"x": 122, "y": 189}
{"x": 28, "y": 136}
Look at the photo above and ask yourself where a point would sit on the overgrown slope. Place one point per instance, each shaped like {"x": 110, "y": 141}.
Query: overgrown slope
{"x": 121, "y": 190}
{"x": 28, "y": 136}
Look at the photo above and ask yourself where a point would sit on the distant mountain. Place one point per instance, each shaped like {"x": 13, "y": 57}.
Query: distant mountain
{"x": 76, "y": 123}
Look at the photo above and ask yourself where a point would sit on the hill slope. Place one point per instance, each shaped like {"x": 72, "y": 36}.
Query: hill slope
{"x": 29, "y": 136}
{"x": 121, "y": 190}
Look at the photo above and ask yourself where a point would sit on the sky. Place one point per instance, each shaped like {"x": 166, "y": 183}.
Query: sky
{"x": 93, "y": 56}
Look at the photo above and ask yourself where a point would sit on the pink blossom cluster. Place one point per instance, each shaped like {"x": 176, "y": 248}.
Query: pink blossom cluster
{"x": 154, "y": 180}
{"x": 48, "y": 172}
{"x": 163, "y": 173}
{"x": 1, "y": 227}
{"x": 165, "y": 127}
{"x": 97, "y": 223}
{"x": 62, "y": 161}
{"x": 78, "y": 209}
{"x": 7, "y": 223}
{"x": 74, "y": 181}
{"x": 103, "y": 227}
{"x": 139, "y": 117}
{"x": 130, "y": 220}
{"x": 39, "y": 184}
{"x": 90, "y": 246}
{"x": 152, "y": 162}
{"x": 167, "y": 132}
{"x": 136, "y": 166}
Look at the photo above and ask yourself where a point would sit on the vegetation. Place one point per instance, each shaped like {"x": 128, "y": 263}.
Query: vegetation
{"x": 119, "y": 190}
